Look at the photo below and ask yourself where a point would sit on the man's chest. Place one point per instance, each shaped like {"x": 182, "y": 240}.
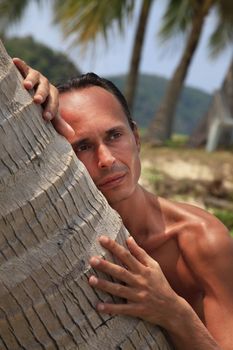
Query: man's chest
{"x": 177, "y": 272}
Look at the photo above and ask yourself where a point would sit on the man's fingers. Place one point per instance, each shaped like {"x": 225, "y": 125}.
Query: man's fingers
{"x": 116, "y": 289}
{"x": 121, "y": 253}
{"x": 62, "y": 127}
{"x": 32, "y": 78}
{"x": 130, "y": 309}
{"x": 45, "y": 94}
{"x": 21, "y": 65}
{"x": 51, "y": 105}
{"x": 138, "y": 252}
{"x": 113, "y": 270}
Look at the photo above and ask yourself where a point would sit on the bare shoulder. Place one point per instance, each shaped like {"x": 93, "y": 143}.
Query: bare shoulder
{"x": 202, "y": 236}
{"x": 206, "y": 235}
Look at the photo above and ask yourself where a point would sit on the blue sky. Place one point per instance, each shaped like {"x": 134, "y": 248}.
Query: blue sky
{"x": 114, "y": 59}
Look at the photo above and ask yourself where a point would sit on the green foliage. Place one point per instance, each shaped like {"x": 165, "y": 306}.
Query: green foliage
{"x": 177, "y": 18}
{"x": 226, "y": 217}
{"x": 222, "y": 36}
{"x": 192, "y": 105}
{"x": 89, "y": 18}
{"x": 176, "y": 141}
{"x": 179, "y": 15}
{"x": 54, "y": 65}
{"x": 11, "y": 12}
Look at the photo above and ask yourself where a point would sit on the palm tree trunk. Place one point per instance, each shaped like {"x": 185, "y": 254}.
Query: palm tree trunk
{"x": 200, "y": 134}
{"x": 227, "y": 87}
{"x": 227, "y": 91}
{"x": 162, "y": 125}
{"x": 132, "y": 79}
{"x": 50, "y": 217}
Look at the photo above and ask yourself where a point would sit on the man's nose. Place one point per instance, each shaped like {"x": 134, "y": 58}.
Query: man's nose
{"x": 105, "y": 157}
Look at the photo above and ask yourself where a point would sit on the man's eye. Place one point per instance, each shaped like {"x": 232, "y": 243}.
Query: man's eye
{"x": 115, "y": 135}
{"x": 82, "y": 148}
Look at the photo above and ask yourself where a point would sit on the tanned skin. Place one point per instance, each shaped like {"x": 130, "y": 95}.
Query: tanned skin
{"x": 178, "y": 271}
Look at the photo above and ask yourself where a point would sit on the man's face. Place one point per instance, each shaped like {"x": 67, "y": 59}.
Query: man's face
{"x": 103, "y": 140}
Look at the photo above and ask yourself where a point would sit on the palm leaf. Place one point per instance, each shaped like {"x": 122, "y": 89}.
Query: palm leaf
{"x": 12, "y": 11}
{"x": 177, "y": 18}
{"x": 222, "y": 36}
{"x": 89, "y": 18}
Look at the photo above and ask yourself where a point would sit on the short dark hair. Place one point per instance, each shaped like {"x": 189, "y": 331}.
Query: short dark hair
{"x": 92, "y": 79}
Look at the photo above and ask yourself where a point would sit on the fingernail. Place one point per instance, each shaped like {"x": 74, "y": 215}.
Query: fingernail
{"x": 48, "y": 116}
{"x": 100, "y": 307}
{"x": 38, "y": 98}
{"x": 93, "y": 280}
{"x": 28, "y": 83}
{"x": 103, "y": 239}
{"x": 94, "y": 261}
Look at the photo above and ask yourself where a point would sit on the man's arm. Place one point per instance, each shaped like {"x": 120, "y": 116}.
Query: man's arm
{"x": 208, "y": 251}
{"x": 149, "y": 296}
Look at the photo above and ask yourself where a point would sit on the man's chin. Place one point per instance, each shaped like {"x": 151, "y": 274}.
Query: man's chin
{"x": 115, "y": 199}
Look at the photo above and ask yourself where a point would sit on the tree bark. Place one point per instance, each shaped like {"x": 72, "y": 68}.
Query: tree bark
{"x": 50, "y": 217}
{"x": 161, "y": 127}
{"x": 132, "y": 79}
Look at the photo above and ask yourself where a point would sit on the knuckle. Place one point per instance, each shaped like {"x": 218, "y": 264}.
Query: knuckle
{"x": 119, "y": 288}
{"x": 112, "y": 244}
{"x": 155, "y": 265}
{"x": 123, "y": 272}
{"x": 53, "y": 89}
{"x": 35, "y": 73}
{"x": 141, "y": 282}
{"x": 44, "y": 80}
{"x": 147, "y": 272}
{"x": 24, "y": 65}
{"x": 143, "y": 296}
{"x": 126, "y": 254}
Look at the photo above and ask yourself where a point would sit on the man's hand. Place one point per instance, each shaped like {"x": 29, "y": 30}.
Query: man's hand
{"x": 148, "y": 294}
{"x": 45, "y": 94}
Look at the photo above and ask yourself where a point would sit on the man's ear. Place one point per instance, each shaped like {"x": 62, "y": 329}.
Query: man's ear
{"x": 136, "y": 135}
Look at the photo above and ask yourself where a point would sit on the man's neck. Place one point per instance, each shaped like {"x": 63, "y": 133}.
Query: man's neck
{"x": 135, "y": 212}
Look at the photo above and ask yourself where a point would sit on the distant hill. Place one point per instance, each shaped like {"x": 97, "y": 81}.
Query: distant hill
{"x": 55, "y": 65}
{"x": 192, "y": 105}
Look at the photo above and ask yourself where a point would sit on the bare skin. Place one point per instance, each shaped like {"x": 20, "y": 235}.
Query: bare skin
{"x": 178, "y": 270}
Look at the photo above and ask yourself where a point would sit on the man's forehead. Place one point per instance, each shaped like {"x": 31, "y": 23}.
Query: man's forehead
{"x": 87, "y": 94}
{"x": 89, "y": 102}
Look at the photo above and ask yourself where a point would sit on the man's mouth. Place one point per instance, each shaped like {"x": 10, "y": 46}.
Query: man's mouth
{"x": 111, "y": 181}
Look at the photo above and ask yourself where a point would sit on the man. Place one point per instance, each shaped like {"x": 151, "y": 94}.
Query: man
{"x": 179, "y": 273}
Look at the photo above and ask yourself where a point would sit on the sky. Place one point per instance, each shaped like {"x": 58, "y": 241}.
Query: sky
{"x": 114, "y": 58}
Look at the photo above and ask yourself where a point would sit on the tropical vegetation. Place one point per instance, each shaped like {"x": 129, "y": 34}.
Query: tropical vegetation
{"x": 188, "y": 16}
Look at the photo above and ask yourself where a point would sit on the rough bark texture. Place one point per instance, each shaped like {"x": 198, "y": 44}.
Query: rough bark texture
{"x": 50, "y": 216}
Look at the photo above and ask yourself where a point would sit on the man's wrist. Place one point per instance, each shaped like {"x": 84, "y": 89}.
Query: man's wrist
{"x": 181, "y": 315}
{"x": 186, "y": 330}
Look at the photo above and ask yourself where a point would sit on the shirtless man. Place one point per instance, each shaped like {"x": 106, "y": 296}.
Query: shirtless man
{"x": 179, "y": 274}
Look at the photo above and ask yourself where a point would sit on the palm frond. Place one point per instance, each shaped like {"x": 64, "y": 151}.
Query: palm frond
{"x": 12, "y": 11}
{"x": 222, "y": 35}
{"x": 89, "y": 18}
{"x": 177, "y": 18}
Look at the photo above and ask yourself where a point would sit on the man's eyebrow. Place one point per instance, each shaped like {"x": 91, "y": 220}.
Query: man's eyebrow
{"x": 115, "y": 128}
